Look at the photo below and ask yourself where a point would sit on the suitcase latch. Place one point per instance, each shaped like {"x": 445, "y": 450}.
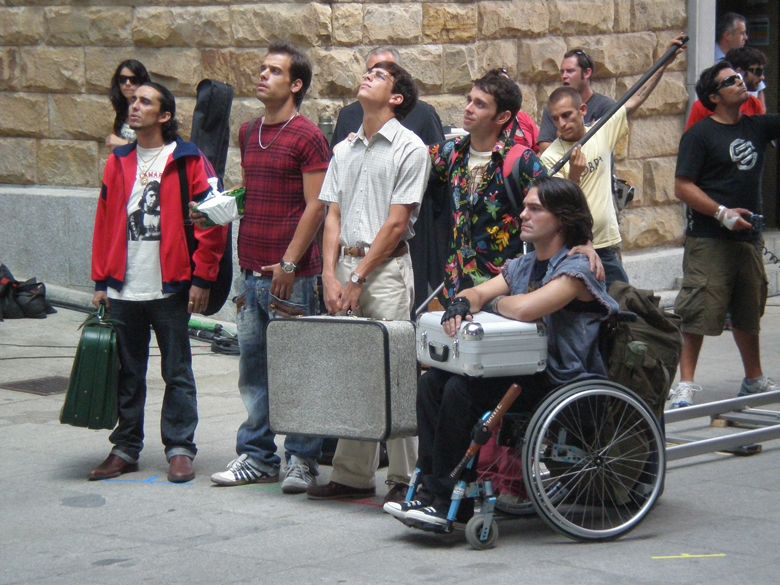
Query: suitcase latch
{"x": 473, "y": 332}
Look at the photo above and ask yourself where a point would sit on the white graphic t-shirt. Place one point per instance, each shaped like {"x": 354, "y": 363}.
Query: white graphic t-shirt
{"x": 143, "y": 278}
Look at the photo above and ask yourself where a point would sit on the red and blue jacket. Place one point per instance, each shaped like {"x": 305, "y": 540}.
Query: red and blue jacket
{"x": 109, "y": 245}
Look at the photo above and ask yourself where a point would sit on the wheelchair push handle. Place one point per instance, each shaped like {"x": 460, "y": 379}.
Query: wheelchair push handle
{"x": 488, "y": 426}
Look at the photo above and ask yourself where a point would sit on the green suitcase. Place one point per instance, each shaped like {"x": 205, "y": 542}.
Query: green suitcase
{"x": 91, "y": 400}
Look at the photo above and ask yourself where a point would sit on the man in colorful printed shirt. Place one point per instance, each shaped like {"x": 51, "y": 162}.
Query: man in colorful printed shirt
{"x": 485, "y": 229}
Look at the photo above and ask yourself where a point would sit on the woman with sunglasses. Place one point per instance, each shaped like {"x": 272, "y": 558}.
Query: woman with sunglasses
{"x": 128, "y": 76}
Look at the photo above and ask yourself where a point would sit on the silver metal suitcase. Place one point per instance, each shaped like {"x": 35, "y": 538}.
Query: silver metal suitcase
{"x": 345, "y": 377}
{"x": 489, "y": 346}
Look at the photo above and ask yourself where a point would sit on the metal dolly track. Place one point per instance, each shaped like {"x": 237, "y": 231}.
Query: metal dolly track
{"x": 735, "y": 410}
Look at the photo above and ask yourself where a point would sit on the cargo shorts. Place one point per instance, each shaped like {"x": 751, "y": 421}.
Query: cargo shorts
{"x": 720, "y": 277}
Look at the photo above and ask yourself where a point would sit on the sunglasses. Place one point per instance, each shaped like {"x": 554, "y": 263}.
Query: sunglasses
{"x": 131, "y": 79}
{"x": 757, "y": 71}
{"x": 588, "y": 62}
{"x": 729, "y": 81}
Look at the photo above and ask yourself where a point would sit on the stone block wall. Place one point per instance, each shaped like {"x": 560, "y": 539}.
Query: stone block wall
{"x": 57, "y": 58}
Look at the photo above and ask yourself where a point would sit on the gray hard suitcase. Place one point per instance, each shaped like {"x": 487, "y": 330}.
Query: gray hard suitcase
{"x": 489, "y": 346}
{"x": 345, "y": 377}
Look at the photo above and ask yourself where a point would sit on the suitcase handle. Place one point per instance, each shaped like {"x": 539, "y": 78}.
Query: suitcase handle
{"x": 438, "y": 352}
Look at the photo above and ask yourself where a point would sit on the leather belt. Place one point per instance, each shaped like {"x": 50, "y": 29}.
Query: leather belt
{"x": 360, "y": 251}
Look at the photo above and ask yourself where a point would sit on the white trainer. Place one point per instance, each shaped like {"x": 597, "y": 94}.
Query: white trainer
{"x": 682, "y": 394}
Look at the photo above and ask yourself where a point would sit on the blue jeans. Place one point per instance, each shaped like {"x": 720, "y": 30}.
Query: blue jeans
{"x": 613, "y": 265}
{"x": 254, "y": 437}
{"x": 169, "y": 319}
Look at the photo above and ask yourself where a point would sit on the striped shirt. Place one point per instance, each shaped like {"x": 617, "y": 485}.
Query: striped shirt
{"x": 366, "y": 177}
{"x": 274, "y": 190}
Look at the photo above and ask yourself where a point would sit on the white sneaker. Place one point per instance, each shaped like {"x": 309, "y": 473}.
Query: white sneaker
{"x": 241, "y": 471}
{"x": 763, "y": 384}
{"x": 298, "y": 476}
{"x": 682, "y": 394}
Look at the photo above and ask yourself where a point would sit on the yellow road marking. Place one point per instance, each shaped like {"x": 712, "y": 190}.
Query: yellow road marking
{"x": 689, "y": 556}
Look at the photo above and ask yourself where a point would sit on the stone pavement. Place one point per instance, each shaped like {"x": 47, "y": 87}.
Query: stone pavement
{"x": 58, "y": 528}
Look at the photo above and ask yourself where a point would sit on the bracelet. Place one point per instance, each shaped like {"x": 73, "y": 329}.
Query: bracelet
{"x": 720, "y": 213}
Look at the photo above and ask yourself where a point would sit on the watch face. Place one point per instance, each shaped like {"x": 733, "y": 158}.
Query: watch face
{"x": 288, "y": 267}
{"x": 354, "y": 278}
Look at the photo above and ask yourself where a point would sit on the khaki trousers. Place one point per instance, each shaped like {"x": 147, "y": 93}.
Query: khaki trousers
{"x": 387, "y": 294}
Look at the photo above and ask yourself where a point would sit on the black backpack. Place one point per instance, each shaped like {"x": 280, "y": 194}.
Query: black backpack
{"x": 643, "y": 350}
{"x": 220, "y": 289}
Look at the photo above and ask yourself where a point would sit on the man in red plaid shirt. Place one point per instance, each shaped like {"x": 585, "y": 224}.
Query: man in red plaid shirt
{"x": 284, "y": 157}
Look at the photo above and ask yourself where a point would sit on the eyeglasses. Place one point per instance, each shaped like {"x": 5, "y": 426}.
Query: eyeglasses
{"x": 729, "y": 81}
{"x": 131, "y": 79}
{"x": 376, "y": 74}
{"x": 757, "y": 71}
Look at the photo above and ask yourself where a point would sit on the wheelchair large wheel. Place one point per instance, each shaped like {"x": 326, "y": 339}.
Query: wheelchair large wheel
{"x": 593, "y": 460}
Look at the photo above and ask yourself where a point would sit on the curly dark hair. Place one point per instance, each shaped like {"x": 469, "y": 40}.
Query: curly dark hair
{"x": 745, "y": 57}
{"x": 404, "y": 85}
{"x": 170, "y": 130}
{"x": 566, "y": 201}
{"x": 504, "y": 90}
{"x": 118, "y": 100}
{"x": 708, "y": 83}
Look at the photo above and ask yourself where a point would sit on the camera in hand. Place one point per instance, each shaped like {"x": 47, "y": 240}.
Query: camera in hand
{"x": 757, "y": 221}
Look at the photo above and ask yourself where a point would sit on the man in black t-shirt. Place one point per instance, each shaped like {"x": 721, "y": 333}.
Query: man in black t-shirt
{"x": 718, "y": 177}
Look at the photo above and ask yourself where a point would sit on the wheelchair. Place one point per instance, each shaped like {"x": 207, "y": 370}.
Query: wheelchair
{"x": 590, "y": 460}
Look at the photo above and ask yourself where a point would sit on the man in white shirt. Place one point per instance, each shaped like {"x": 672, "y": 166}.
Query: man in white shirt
{"x": 373, "y": 189}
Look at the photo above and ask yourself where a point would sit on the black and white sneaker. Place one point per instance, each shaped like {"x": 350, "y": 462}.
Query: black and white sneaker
{"x": 241, "y": 471}
{"x": 400, "y": 509}
{"x": 428, "y": 515}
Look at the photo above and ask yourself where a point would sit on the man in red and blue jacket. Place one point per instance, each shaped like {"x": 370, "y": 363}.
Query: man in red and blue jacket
{"x": 145, "y": 275}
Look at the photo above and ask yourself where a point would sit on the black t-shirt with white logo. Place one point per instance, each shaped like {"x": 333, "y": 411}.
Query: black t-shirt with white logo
{"x": 726, "y": 162}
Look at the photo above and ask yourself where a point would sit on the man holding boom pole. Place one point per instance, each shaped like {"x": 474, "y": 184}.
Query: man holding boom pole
{"x": 590, "y": 165}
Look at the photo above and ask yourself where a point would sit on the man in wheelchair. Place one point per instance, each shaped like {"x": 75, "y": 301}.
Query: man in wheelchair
{"x": 546, "y": 284}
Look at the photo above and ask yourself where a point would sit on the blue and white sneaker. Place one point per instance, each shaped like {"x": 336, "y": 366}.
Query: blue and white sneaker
{"x": 762, "y": 384}
{"x": 682, "y": 394}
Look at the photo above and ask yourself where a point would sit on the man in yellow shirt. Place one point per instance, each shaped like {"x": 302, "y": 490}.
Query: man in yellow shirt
{"x": 590, "y": 166}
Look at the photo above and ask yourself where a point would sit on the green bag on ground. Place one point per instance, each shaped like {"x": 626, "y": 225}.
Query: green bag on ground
{"x": 91, "y": 400}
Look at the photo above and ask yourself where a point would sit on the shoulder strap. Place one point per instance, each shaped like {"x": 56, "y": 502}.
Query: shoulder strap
{"x": 184, "y": 185}
{"x": 247, "y": 133}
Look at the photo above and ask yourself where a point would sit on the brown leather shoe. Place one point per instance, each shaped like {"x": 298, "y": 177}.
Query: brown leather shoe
{"x": 397, "y": 491}
{"x": 337, "y": 491}
{"x": 113, "y": 466}
{"x": 180, "y": 469}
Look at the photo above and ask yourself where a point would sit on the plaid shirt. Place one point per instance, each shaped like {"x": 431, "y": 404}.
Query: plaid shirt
{"x": 274, "y": 190}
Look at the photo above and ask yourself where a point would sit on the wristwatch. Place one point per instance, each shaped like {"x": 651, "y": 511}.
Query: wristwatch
{"x": 355, "y": 278}
{"x": 288, "y": 267}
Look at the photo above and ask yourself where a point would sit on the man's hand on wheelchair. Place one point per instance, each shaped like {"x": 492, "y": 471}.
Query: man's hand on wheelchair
{"x": 458, "y": 310}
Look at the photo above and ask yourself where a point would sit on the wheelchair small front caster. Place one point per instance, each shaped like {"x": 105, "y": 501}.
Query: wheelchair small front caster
{"x": 474, "y": 533}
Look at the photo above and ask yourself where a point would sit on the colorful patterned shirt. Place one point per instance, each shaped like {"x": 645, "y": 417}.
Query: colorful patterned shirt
{"x": 485, "y": 231}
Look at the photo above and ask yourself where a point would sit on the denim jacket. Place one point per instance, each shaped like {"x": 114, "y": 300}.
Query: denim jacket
{"x": 572, "y": 336}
